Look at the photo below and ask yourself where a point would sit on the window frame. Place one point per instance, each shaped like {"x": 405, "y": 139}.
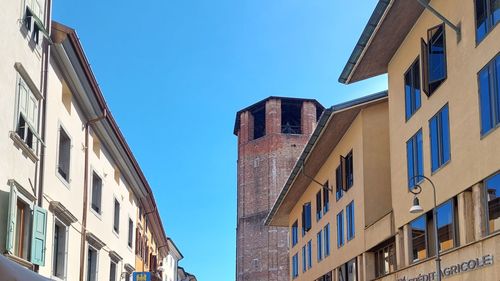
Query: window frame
{"x": 326, "y": 197}
{"x": 339, "y": 190}
{"x": 65, "y": 256}
{"x": 440, "y": 142}
{"x": 319, "y": 205}
{"x": 493, "y": 96}
{"x": 309, "y": 254}
{"x": 306, "y": 227}
{"x": 319, "y": 245}
{"x": 454, "y": 222}
{"x": 340, "y": 229}
{"x": 87, "y": 277}
{"x": 415, "y": 150}
{"x": 295, "y": 233}
{"x": 413, "y": 106}
{"x": 62, "y": 128}
{"x": 426, "y": 237}
{"x": 488, "y": 20}
{"x": 327, "y": 234}
{"x": 430, "y": 87}
{"x": 130, "y": 235}
{"x": 100, "y": 211}
{"x": 350, "y": 223}
{"x": 295, "y": 266}
{"x": 485, "y": 204}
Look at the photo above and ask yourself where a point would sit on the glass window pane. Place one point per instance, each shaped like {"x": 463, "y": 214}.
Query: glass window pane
{"x": 497, "y": 93}
{"x": 437, "y": 63}
{"x": 327, "y": 240}
{"x": 304, "y": 265}
{"x": 445, "y": 137}
{"x": 495, "y": 11}
{"x": 410, "y": 161}
{"x": 418, "y": 238}
{"x": 445, "y": 226}
{"x": 484, "y": 95}
{"x": 416, "y": 85}
{"x": 492, "y": 186}
{"x": 481, "y": 23}
{"x": 408, "y": 96}
{"x": 419, "y": 156}
{"x": 309, "y": 254}
{"x": 340, "y": 229}
{"x": 433, "y": 127}
{"x": 319, "y": 246}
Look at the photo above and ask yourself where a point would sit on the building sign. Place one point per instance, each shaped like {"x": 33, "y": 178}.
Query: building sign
{"x": 142, "y": 276}
{"x": 455, "y": 269}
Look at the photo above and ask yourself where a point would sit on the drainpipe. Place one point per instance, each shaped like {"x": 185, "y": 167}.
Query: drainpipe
{"x": 85, "y": 190}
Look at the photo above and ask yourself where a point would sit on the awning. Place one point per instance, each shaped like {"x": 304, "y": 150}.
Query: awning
{"x": 11, "y": 271}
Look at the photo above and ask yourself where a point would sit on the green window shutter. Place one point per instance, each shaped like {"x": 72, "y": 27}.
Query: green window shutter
{"x": 39, "y": 236}
{"x": 11, "y": 220}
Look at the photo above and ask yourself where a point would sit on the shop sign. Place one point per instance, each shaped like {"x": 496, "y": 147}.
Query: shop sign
{"x": 453, "y": 269}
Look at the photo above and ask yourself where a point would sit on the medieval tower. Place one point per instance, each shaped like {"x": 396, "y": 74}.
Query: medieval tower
{"x": 271, "y": 135}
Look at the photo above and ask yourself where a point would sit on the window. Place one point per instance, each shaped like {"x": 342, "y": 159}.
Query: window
{"x": 340, "y": 229}
{"x": 295, "y": 233}
{"x": 326, "y": 277}
{"x": 27, "y": 226}
{"x": 418, "y": 232}
{"x": 33, "y": 20}
{"x": 91, "y": 264}
{"x": 385, "y": 258}
{"x": 112, "y": 271}
{"x": 492, "y": 186}
{"x": 487, "y": 16}
{"x": 304, "y": 259}
{"x": 309, "y": 254}
{"x": 59, "y": 253}
{"x": 259, "y": 122}
{"x": 319, "y": 208}
{"x": 116, "y": 218}
{"x": 414, "y": 159}
{"x": 326, "y": 198}
{"x": 348, "y": 271}
{"x": 96, "y": 193}
{"x": 439, "y": 127}
{"x": 339, "y": 190}
{"x": 319, "y": 245}
{"x": 306, "y": 218}
{"x": 326, "y": 231}
{"x": 291, "y": 113}
{"x": 350, "y": 221}
{"x": 434, "y": 59}
{"x": 64, "y": 151}
{"x": 130, "y": 232}
{"x": 349, "y": 171}
{"x": 27, "y": 114}
{"x": 295, "y": 266}
{"x": 412, "y": 89}
{"x": 446, "y": 225}
{"x": 489, "y": 97}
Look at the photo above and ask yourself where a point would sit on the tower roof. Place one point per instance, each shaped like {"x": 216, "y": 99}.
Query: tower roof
{"x": 263, "y": 102}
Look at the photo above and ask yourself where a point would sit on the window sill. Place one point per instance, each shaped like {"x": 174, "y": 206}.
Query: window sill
{"x": 490, "y": 131}
{"x": 27, "y": 151}
{"x": 486, "y": 35}
{"x": 98, "y": 215}
{"x": 441, "y": 167}
{"x": 63, "y": 180}
{"x": 19, "y": 261}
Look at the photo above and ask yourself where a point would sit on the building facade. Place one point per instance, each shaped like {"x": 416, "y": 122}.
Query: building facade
{"x": 72, "y": 189}
{"x": 336, "y": 202}
{"x": 171, "y": 262}
{"x": 271, "y": 135}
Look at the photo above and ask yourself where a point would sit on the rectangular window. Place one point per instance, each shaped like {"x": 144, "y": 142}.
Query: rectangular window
{"x": 309, "y": 254}
{"x": 326, "y": 198}
{"x": 326, "y": 231}
{"x": 59, "y": 250}
{"x": 492, "y": 186}
{"x": 291, "y": 117}
{"x": 439, "y": 127}
{"x": 340, "y": 229}
{"x": 91, "y": 264}
{"x": 385, "y": 258}
{"x": 22, "y": 230}
{"x": 446, "y": 225}
{"x": 295, "y": 233}
{"x": 64, "y": 151}
{"x": 487, "y": 16}
{"x": 295, "y": 266}
{"x": 414, "y": 156}
{"x": 96, "y": 193}
{"x": 116, "y": 218}
{"x": 306, "y": 218}
{"x": 304, "y": 259}
{"x": 412, "y": 89}
{"x": 348, "y": 271}
{"x": 27, "y": 114}
{"x": 418, "y": 232}
{"x": 489, "y": 97}
{"x": 350, "y": 221}
{"x": 112, "y": 271}
{"x": 434, "y": 59}
{"x": 339, "y": 189}
{"x": 130, "y": 232}
{"x": 319, "y": 207}
{"x": 319, "y": 245}
{"x": 349, "y": 170}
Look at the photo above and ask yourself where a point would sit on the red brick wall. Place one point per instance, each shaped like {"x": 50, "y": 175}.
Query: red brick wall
{"x": 263, "y": 167}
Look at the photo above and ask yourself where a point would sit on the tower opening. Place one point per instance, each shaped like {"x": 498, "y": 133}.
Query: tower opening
{"x": 291, "y": 117}
{"x": 259, "y": 122}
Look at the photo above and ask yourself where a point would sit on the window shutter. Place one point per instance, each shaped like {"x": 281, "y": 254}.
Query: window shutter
{"x": 39, "y": 236}
{"x": 424, "y": 49}
{"x": 11, "y": 220}
{"x": 23, "y": 98}
{"x": 32, "y": 111}
{"x": 343, "y": 174}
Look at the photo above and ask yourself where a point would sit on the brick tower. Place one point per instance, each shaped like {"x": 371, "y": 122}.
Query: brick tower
{"x": 271, "y": 135}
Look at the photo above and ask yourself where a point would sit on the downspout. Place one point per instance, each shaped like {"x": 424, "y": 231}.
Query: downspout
{"x": 85, "y": 190}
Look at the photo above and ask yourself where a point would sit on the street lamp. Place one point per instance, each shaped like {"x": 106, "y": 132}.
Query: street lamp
{"x": 416, "y": 208}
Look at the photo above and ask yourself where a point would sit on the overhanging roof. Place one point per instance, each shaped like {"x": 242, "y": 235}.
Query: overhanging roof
{"x": 386, "y": 29}
{"x": 332, "y": 126}
{"x": 263, "y": 102}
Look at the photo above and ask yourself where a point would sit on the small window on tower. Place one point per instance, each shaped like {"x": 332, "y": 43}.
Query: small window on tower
{"x": 291, "y": 117}
{"x": 259, "y": 122}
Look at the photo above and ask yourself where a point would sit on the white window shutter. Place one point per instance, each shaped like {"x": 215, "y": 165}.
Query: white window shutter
{"x": 11, "y": 220}
{"x": 23, "y": 98}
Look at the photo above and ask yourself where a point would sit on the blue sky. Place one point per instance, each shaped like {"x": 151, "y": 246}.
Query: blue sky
{"x": 175, "y": 72}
